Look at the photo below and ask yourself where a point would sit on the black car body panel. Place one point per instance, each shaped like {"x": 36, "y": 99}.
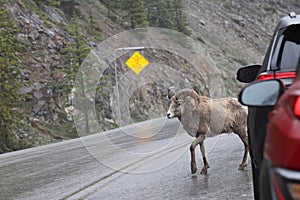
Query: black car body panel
{"x": 280, "y": 62}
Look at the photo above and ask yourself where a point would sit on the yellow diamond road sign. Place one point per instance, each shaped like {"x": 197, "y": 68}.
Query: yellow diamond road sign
{"x": 137, "y": 62}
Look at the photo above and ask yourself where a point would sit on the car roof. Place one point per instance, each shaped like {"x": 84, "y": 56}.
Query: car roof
{"x": 288, "y": 20}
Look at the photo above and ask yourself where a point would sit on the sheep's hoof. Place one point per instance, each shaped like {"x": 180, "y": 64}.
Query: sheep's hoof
{"x": 193, "y": 168}
{"x": 204, "y": 170}
{"x": 242, "y": 167}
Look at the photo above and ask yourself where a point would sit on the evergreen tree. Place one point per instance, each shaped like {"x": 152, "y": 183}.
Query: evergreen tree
{"x": 167, "y": 14}
{"x": 181, "y": 23}
{"x": 155, "y": 13}
{"x": 136, "y": 13}
{"x": 160, "y": 13}
{"x": 93, "y": 28}
{"x": 75, "y": 54}
{"x": 10, "y": 83}
{"x": 152, "y": 12}
{"x": 76, "y": 51}
{"x": 69, "y": 7}
{"x": 48, "y": 2}
{"x": 168, "y": 11}
{"x": 111, "y": 6}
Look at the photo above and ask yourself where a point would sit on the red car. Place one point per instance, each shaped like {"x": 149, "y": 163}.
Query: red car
{"x": 279, "y": 176}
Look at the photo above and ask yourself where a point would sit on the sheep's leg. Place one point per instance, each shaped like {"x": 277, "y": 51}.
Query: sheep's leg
{"x": 243, "y": 135}
{"x": 206, "y": 165}
{"x": 193, "y": 160}
{"x": 198, "y": 140}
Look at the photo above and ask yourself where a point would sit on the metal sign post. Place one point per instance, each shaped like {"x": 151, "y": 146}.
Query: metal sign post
{"x": 116, "y": 76}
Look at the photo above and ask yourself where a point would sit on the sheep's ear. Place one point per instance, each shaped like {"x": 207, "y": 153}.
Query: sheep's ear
{"x": 171, "y": 92}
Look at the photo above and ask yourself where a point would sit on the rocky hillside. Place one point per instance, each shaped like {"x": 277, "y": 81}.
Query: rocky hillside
{"x": 231, "y": 33}
{"x": 236, "y": 32}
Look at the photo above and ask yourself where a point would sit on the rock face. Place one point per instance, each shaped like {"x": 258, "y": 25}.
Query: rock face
{"x": 44, "y": 33}
{"x": 236, "y": 33}
{"x": 233, "y": 33}
{"x": 44, "y": 42}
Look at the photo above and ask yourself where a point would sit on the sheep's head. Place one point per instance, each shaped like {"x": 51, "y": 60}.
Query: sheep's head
{"x": 174, "y": 108}
{"x": 179, "y": 101}
{"x": 184, "y": 106}
{"x": 174, "y": 103}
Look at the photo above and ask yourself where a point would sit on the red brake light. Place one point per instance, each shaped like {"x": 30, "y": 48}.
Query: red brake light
{"x": 276, "y": 75}
{"x": 281, "y": 75}
{"x": 297, "y": 107}
{"x": 266, "y": 76}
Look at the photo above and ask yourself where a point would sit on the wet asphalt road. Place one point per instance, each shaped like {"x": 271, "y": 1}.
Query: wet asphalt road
{"x": 149, "y": 160}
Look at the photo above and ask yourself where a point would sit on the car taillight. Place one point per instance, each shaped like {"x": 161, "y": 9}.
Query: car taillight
{"x": 296, "y": 108}
{"x": 294, "y": 189}
{"x": 276, "y": 75}
{"x": 286, "y": 183}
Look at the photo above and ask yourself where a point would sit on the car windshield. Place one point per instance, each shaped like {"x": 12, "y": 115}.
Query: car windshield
{"x": 289, "y": 49}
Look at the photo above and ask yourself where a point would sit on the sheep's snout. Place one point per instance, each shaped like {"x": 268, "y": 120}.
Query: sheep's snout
{"x": 170, "y": 115}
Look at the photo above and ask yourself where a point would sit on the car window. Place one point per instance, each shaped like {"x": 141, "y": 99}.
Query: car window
{"x": 289, "y": 49}
{"x": 290, "y": 55}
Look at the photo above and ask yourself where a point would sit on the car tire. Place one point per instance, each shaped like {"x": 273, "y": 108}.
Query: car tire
{"x": 264, "y": 182}
{"x": 255, "y": 173}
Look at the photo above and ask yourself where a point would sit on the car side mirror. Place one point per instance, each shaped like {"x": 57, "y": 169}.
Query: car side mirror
{"x": 248, "y": 73}
{"x": 263, "y": 93}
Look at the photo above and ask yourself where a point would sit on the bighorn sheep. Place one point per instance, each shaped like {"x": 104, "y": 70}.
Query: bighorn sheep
{"x": 202, "y": 116}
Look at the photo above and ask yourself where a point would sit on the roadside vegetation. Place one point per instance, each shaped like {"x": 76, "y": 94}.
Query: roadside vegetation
{"x": 20, "y": 126}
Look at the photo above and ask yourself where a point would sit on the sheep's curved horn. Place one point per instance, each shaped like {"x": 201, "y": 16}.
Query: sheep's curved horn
{"x": 171, "y": 92}
{"x": 181, "y": 94}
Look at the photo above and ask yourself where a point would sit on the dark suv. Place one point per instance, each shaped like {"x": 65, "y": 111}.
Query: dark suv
{"x": 280, "y": 62}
